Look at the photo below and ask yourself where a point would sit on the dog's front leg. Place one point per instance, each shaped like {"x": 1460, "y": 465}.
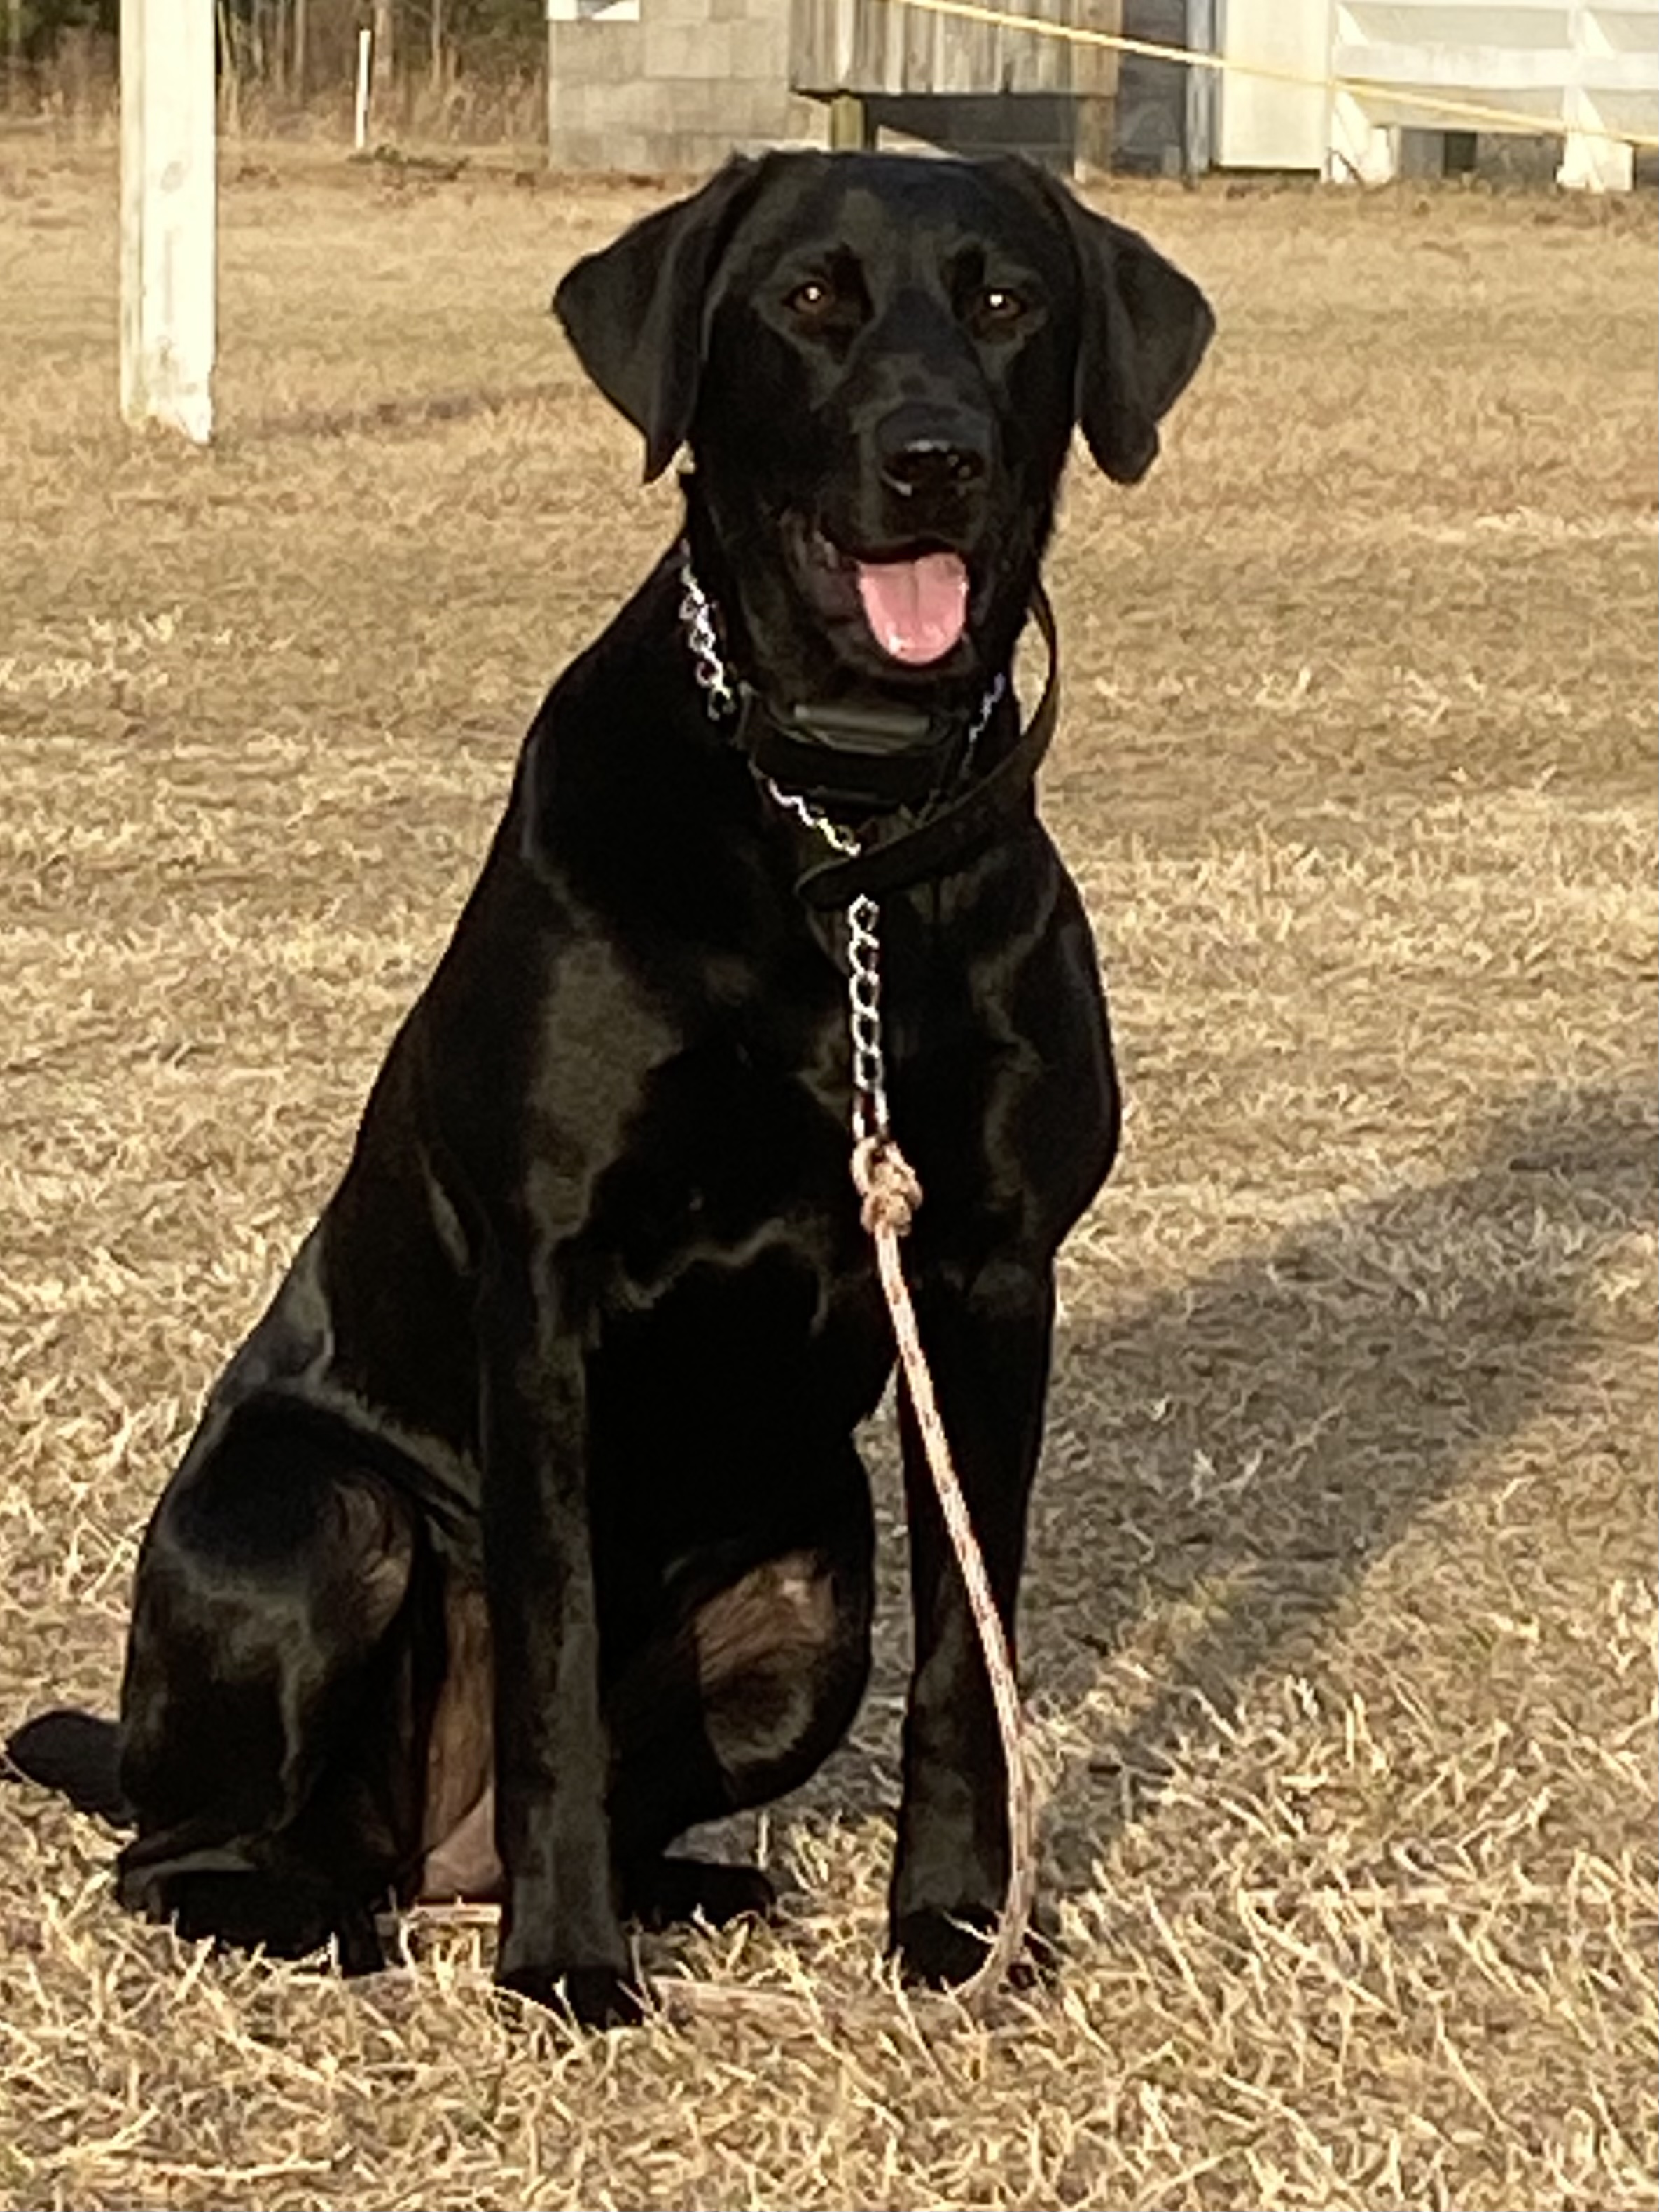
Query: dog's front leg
{"x": 986, "y": 1338}
{"x": 561, "y": 1941}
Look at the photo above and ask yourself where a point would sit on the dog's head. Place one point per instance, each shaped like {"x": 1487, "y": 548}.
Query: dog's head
{"x": 877, "y": 361}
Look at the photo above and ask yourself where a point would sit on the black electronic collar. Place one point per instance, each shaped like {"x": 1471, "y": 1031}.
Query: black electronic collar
{"x": 873, "y": 761}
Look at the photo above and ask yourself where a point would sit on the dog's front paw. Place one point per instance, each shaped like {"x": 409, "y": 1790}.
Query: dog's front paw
{"x": 938, "y": 1950}
{"x": 592, "y": 1997}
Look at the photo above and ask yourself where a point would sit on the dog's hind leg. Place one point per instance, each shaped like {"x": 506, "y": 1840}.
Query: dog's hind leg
{"x": 757, "y": 1683}
{"x": 269, "y": 1707}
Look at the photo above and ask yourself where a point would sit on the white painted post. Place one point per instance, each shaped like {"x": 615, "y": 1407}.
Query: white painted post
{"x": 168, "y": 215}
{"x": 360, "y": 128}
{"x": 1592, "y": 160}
{"x": 1263, "y": 123}
{"x": 1361, "y": 152}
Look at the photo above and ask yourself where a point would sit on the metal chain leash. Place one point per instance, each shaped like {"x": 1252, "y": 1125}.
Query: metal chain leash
{"x": 697, "y": 617}
{"x": 863, "y": 917}
{"x": 891, "y": 1193}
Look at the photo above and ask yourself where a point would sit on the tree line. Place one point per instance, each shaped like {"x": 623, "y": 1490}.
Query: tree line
{"x": 290, "y": 47}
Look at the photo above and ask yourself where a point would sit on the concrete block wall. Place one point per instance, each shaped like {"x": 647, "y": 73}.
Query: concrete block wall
{"x": 676, "y": 90}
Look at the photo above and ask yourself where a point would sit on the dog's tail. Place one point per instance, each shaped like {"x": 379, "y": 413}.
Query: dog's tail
{"x": 77, "y": 1754}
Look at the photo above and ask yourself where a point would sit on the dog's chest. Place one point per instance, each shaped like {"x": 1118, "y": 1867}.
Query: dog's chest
{"x": 723, "y": 1265}
{"x": 735, "y": 1161}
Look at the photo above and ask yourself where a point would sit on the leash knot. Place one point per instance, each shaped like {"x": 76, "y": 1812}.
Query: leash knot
{"x": 887, "y": 1183}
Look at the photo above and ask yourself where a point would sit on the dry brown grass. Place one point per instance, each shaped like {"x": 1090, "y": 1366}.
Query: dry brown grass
{"x": 1342, "y": 1616}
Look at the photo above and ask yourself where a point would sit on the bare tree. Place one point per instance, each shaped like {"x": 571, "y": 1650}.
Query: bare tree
{"x": 385, "y": 57}
{"x": 14, "y": 50}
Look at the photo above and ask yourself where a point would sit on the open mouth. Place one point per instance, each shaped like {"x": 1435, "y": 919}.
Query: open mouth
{"x": 914, "y": 605}
{"x": 917, "y": 608}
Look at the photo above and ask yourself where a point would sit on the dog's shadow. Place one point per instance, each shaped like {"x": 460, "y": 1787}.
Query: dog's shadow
{"x": 1252, "y": 1440}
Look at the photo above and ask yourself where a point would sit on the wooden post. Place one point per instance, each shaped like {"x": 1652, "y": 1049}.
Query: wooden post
{"x": 1092, "y": 73}
{"x": 298, "y": 74}
{"x": 849, "y": 126}
{"x": 1094, "y": 138}
{"x": 168, "y": 215}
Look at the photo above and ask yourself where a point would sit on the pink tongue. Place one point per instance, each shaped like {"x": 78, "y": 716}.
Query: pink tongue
{"x": 917, "y": 608}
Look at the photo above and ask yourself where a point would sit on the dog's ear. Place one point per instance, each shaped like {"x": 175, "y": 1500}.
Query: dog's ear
{"x": 1144, "y": 329}
{"x": 635, "y": 311}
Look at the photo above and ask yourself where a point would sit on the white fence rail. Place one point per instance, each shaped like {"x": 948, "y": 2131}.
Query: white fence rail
{"x": 1587, "y": 67}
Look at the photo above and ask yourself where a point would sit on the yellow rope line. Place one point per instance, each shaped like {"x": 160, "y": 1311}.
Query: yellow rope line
{"x": 1469, "y": 110}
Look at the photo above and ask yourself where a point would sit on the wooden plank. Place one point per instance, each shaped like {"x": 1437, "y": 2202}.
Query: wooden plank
{"x": 849, "y": 124}
{"x": 876, "y": 46}
{"x": 869, "y": 71}
{"x": 920, "y": 35}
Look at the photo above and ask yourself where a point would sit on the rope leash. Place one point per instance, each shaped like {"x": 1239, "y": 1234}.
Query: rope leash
{"x": 889, "y": 1192}
{"x": 887, "y": 1184}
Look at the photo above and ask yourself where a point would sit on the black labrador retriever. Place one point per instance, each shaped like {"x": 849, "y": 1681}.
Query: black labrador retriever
{"x": 527, "y": 1528}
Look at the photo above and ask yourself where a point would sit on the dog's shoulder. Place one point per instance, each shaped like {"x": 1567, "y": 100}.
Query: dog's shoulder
{"x": 627, "y": 888}
{"x": 631, "y": 813}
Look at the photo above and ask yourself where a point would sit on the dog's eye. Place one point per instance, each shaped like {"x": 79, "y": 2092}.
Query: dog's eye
{"x": 999, "y": 307}
{"x": 811, "y": 299}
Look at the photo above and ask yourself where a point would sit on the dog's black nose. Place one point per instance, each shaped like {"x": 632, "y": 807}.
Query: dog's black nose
{"x": 933, "y": 466}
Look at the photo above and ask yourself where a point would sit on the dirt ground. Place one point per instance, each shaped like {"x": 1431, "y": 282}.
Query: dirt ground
{"x": 1340, "y": 1629}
